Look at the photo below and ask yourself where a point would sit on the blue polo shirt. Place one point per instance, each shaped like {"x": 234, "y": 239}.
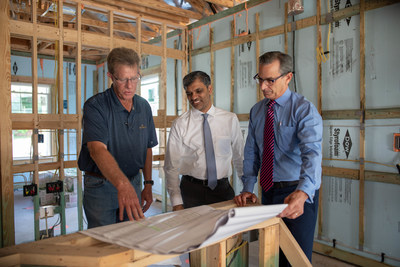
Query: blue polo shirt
{"x": 127, "y": 135}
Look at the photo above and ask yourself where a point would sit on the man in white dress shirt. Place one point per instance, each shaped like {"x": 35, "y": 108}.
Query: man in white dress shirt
{"x": 185, "y": 154}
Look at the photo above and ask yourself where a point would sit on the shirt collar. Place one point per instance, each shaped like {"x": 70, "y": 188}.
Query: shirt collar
{"x": 282, "y": 99}
{"x": 117, "y": 103}
{"x": 197, "y": 113}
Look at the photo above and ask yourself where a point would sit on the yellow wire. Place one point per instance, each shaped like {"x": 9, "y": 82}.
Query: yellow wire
{"x": 321, "y": 57}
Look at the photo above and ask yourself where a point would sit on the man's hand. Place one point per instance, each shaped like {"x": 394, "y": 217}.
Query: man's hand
{"x": 177, "y": 207}
{"x": 295, "y": 206}
{"x": 128, "y": 200}
{"x": 147, "y": 197}
{"x": 241, "y": 199}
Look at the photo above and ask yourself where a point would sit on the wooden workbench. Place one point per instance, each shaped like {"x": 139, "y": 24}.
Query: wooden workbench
{"x": 80, "y": 250}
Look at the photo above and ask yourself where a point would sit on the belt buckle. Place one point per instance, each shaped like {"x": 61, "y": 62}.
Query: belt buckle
{"x": 205, "y": 182}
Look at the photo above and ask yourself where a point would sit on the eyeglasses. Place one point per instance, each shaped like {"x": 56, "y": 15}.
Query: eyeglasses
{"x": 124, "y": 81}
{"x": 260, "y": 80}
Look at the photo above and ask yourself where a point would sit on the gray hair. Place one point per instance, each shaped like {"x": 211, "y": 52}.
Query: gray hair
{"x": 285, "y": 61}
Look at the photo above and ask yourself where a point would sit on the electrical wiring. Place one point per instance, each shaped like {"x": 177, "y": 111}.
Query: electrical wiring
{"x": 321, "y": 55}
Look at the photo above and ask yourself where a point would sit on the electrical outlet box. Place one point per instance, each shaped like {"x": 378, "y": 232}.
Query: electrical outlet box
{"x": 54, "y": 187}
{"x": 46, "y": 211}
{"x": 30, "y": 190}
{"x": 43, "y": 234}
{"x": 396, "y": 142}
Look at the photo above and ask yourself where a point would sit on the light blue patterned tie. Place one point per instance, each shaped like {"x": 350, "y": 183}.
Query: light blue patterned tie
{"x": 210, "y": 156}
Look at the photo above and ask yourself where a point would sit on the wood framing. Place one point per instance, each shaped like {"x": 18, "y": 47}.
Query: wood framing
{"x": 78, "y": 249}
{"x": 58, "y": 38}
{"x": 345, "y": 256}
{"x": 6, "y": 178}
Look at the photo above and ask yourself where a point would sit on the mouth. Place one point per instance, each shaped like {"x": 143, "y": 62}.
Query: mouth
{"x": 195, "y": 102}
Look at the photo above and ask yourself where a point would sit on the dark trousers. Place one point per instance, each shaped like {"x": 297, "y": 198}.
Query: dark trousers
{"x": 195, "y": 193}
{"x": 303, "y": 227}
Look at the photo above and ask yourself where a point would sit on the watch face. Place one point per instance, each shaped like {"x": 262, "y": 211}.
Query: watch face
{"x": 149, "y": 182}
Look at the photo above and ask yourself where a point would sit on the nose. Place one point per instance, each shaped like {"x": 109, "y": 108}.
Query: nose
{"x": 263, "y": 86}
{"x": 129, "y": 83}
{"x": 193, "y": 96}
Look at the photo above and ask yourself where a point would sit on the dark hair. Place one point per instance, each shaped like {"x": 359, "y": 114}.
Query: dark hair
{"x": 122, "y": 56}
{"x": 191, "y": 77}
{"x": 285, "y": 61}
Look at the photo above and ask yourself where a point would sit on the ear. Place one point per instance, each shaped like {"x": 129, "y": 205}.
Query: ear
{"x": 210, "y": 89}
{"x": 289, "y": 77}
{"x": 109, "y": 75}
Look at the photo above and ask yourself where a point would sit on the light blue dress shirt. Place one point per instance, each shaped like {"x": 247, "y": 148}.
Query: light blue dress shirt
{"x": 297, "y": 145}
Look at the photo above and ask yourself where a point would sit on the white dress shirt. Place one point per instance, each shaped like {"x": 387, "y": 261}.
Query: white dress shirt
{"x": 185, "y": 152}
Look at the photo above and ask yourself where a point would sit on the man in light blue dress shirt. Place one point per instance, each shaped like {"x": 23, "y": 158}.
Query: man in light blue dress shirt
{"x": 297, "y": 151}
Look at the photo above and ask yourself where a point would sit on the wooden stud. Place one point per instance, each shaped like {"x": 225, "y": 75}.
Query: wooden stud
{"x": 163, "y": 106}
{"x": 185, "y": 48}
{"x": 212, "y": 65}
{"x": 67, "y": 98}
{"x": 111, "y": 35}
{"x": 139, "y": 47}
{"x": 232, "y": 68}
{"x": 35, "y": 132}
{"x": 61, "y": 134}
{"x": 6, "y": 178}
{"x": 190, "y": 49}
{"x": 259, "y": 92}
{"x": 176, "y": 80}
{"x": 285, "y": 32}
{"x": 319, "y": 107}
{"x": 361, "y": 218}
{"x": 291, "y": 248}
{"x": 269, "y": 246}
{"x": 78, "y": 62}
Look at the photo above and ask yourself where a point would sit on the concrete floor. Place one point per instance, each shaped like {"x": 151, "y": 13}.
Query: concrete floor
{"x": 24, "y": 231}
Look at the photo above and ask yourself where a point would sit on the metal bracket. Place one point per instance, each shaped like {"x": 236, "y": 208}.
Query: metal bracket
{"x": 61, "y": 131}
{"x": 35, "y": 158}
{"x": 362, "y": 161}
{"x": 62, "y": 155}
{"x": 35, "y": 131}
{"x": 362, "y": 126}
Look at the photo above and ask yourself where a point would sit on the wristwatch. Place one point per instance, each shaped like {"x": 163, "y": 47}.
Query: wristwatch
{"x": 151, "y": 182}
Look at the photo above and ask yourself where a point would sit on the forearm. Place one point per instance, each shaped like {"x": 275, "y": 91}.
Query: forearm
{"x": 147, "y": 170}
{"x": 107, "y": 164}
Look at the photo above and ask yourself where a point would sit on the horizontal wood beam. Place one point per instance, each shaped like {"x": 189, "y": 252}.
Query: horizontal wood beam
{"x": 95, "y": 40}
{"x": 48, "y": 166}
{"x": 385, "y": 113}
{"x": 345, "y": 255}
{"x": 225, "y": 13}
{"x": 28, "y": 79}
{"x": 372, "y": 176}
{"x": 223, "y": 3}
{"x": 147, "y": 14}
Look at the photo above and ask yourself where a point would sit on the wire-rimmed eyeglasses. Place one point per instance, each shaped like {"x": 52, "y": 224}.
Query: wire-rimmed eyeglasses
{"x": 260, "y": 80}
{"x": 126, "y": 80}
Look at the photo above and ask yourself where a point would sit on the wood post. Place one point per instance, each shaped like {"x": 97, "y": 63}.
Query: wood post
{"x": 6, "y": 176}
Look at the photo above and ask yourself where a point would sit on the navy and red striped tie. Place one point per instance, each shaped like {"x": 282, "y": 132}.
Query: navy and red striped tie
{"x": 267, "y": 164}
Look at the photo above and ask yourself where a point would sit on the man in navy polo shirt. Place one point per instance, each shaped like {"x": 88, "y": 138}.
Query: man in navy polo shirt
{"x": 118, "y": 134}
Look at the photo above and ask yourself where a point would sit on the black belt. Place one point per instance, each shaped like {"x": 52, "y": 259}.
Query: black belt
{"x": 284, "y": 184}
{"x": 203, "y": 182}
{"x": 101, "y": 176}
{"x": 95, "y": 175}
